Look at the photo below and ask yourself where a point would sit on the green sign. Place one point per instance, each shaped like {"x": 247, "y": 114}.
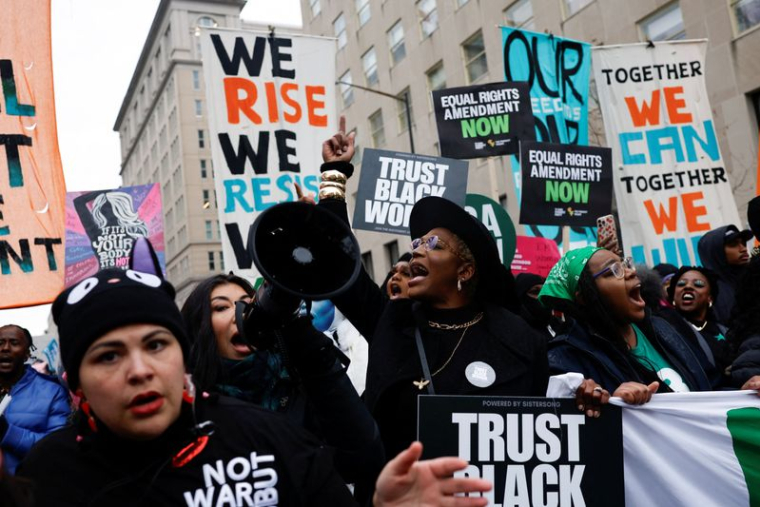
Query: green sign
{"x": 497, "y": 220}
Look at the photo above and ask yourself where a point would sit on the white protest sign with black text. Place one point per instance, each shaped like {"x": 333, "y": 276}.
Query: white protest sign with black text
{"x": 671, "y": 185}
{"x": 271, "y": 103}
{"x": 391, "y": 182}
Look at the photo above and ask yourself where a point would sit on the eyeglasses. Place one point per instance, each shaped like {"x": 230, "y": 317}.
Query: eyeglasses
{"x": 618, "y": 268}
{"x": 433, "y": 243}
{"x": 697, "y": 282}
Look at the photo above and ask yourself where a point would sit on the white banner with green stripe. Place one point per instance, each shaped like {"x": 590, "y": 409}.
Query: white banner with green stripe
{"x": 695, "y": 449}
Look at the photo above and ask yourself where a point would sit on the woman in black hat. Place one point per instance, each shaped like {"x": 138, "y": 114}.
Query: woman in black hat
{"x": 144, "y": 436}
{"x": 454, "y": 335}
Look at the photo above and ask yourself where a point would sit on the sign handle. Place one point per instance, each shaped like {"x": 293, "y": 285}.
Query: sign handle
{"x": 492, "y": 178}
{"x": 565, "y": 238}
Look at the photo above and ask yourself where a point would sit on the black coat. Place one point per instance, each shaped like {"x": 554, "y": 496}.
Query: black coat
{"x": 747, "y": 363}
{"x": 515, "y": 351}
{"x": 581, "y": 351}
{"x": 252, "y": 452}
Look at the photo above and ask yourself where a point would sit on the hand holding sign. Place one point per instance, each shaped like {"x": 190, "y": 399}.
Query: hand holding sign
{"x": 636, "y": 393}
{"x": 406, "y": 481}
{"x": 340, "y": 147}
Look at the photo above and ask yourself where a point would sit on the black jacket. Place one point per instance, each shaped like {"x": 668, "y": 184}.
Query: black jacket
{"x": 251, "y": 454}
{"x": 747, "y": 363}
{"x": 578, "y": 350}
{"x": 713, "y": 256}
{"x": 515, "y": 352}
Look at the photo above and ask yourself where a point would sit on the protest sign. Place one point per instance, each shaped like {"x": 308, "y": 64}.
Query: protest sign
{"x": 535, "y": 451}
{"x": 483, "y": 120}
{"x": 534, "y": 255}
{"x": 496, "y": 219}
{"x": 271, "y": 100}
{"x": 32, "y": 189}
{"x": 391, "y": 182}
{"x": 102, "y": 226}
{"x": 557, "y": 71}
{"x": 670, "y": 183}
{"x": 565, "y": 184}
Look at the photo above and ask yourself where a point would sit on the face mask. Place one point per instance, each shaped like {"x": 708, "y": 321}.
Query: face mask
{"x": 535, "y": 310}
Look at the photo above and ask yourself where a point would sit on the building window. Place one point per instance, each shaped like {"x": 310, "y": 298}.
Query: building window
{"x": 665, "y": 24}
{"x": 475, "y": 57}
{"x": 339, "y": 29}
{"x": 357, "y": 160}
{"x": 206, "y": 202}
{"x": 198, "y": 108}
{"x": 368, "y": 266}
{"x": 204, "y": 172}
{"x": 460, "y": 3}
{"x": 391, "y": 253}
{"x": 427, "y": 12}
{"x": 196, "y": 80}
{"x": 396, "y": 42}
{"x": 184, "y": 265}
{"x": 377, "y": 129}
{"x": 436, "y": 80}
{"x": 221, "y": 261}
{"x": 209, "y": 229}
{"x": 573, "y": 6}
{"x": 182, "y": 236}
{"x": 316, "y": 8}
{"x": 211, "y": 263}
{"x": 346, "y": 91}
{"x": 746, "y": 14}
{"x": 207, "y": 21}
{"x": 520, "y": 15}
{"x": 403, "y": 125}
{"x": 503, "y": 201}
{"x": 362, "y": 10}
{"x": 201, "y": 139}
{"x": 369, "y": 64}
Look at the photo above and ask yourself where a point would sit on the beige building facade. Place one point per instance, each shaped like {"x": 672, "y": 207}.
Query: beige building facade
{"x": 163, "y": 128}
{"x": 413, "y": 47}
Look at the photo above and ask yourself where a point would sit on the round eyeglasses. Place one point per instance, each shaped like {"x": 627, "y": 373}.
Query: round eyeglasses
{"x": 618, "y": 268}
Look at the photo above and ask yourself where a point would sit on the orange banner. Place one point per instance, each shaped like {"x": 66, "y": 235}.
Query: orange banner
{"x": 32, "y": 189}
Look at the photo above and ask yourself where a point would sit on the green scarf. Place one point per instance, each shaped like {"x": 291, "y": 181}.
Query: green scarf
{"x": 562, "y": 282}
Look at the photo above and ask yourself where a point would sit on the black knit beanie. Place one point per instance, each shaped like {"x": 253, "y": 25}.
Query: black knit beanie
{"x": 110, "y": 299}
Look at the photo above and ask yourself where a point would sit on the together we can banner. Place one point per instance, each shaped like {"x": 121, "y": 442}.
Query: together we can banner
{"x": 271, "y": 103}
{"x": 670, "y": 182}
{"x": 103, "y": 225}
{"x": 32, "y": 189}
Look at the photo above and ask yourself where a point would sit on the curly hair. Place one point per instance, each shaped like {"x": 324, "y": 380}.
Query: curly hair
{"x": 205, "y": 362}
{"x": 745, "y": 316}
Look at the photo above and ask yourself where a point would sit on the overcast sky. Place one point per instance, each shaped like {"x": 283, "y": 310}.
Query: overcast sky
{"x": 96, "y": 45}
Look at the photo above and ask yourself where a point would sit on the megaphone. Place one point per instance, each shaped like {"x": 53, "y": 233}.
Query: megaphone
{"x": 303, "y": 252}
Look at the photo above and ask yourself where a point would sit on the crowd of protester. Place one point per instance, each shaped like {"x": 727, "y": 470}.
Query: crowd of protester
{"x": 162, "y": 406}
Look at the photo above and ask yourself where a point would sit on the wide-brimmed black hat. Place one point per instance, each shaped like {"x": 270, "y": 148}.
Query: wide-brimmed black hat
{"x": 496, "y": 283}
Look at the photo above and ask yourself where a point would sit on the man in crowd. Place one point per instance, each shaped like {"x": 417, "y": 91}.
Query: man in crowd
{"x": 31, "y": 404}
{"x": 724, "y": 251}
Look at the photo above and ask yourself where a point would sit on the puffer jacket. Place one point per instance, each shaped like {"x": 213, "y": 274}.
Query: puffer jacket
{"x": 713, "y": 256}
{"x": 578, "y": 350}
{"x": 39, "y": 405}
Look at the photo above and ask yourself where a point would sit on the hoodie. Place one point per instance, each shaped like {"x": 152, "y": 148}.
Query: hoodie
{"x": 713, "y": 255}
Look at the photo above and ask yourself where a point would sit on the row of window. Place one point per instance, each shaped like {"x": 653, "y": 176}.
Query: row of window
{"x": 215, "y": 261}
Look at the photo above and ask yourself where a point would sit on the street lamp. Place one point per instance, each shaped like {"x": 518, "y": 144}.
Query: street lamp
{"x": 404, "y": 99}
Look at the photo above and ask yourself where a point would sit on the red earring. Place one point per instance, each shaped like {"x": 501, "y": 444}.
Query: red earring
{"x": 85, "y": 406}
{"x": 188, "y": 393}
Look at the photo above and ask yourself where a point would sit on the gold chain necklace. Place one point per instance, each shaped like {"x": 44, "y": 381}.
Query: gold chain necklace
{"x": 698, "y": 328}
{"x": 421, "y": 383}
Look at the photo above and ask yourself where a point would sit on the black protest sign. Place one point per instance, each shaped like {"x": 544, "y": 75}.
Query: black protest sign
{"x": 483, "y": 120}
{"x": 565, "y": 184}
{"x": 392, "y": 182}
{"x": 535, "y": 451}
